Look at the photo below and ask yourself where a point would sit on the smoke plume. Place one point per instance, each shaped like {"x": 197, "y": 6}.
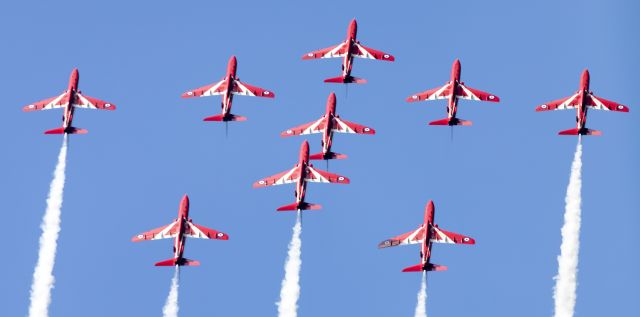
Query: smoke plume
{"x": 171, "y": 308}
{"x": 43, "y": 278}
{"x": 566, "y": 280}
{"x": 290, "y": 290}
{"x": 421, "y": 306}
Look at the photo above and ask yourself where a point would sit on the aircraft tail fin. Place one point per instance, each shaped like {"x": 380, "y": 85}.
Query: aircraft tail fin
{"x": 301, "y": 206}
{"x": 583, "y": 131}
{"x": 346, "y": 80}
{"x": 328, "y": 156}
{"x": 229, "y": 117}
{"x": 180, "y": 262}
{"x": 451, "y": 122}
{"x": 428, "y": 267}
{"x": 69, "y": 130}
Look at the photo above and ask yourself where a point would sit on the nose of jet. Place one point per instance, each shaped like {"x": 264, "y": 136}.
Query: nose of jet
{"x": 184, "y": 204}
{"x": 331, "y": 103}
{"x": 429, "y": 212}
{"x": 584, "y": 79}
{"x": 304, "y": 148}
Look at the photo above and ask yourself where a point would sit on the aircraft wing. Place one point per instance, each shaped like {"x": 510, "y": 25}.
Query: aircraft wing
{"x": 464, "y": 92}
{"x": 443, "y": 236}
{"x": 598, "y": 103}
{"x": 198, "y": 231}
{"x": 286, "y": 177}
{"x": 317, "y": 126}
{"x": 164, "y": 232}
{"x": 334, "y": 51}
{"x": 411, "y": 237}
{"x": 367, "y": 52}
{"x": 570, "y": 102}
{"x": 208, "y": 90}
{"x": 318, "y": 176}
{"x": 345, "y": 126}
{"x": 82, "y": 101}
{"x": 443, "y": 92}
{"x": 51, "y": 103}
{"x": 243, "y": 89}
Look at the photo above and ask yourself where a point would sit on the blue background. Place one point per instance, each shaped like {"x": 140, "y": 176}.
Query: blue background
{"x": 501, "y": 181}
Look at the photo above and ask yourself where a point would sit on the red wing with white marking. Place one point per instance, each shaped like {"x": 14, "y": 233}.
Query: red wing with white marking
{"x": 345, "y": 126}
{"x": 411, "y": 237}
{"x": 318, "y": 176}
{"x": 443, "y": 236}
{"x": 86, "y": 102}
{"x": 443, "y": 92}
{"x": 202, "y": 232}
{"x": 464, "y": 92}
{"x": 208, "y": 90}
{"x": 367, "y": 52}
{"x": 286, "y": 177}
{"x": 164, "y": 232}
{"x": 240, "y": 88}
{"x": 317, "y": 126}
{"x": 598, "y": 103}
{"x": 60, "y": 101}
{"x": 570, "y": 102}
{"x": 339, "y": 50}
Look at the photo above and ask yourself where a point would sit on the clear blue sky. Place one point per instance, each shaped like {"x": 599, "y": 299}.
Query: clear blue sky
{"x": 501, "y": 181}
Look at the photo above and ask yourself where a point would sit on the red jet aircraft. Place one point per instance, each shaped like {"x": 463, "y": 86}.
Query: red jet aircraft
{"x": 180, "y": 229}
{"x": 230, "y": 85}
{"x": 453, "y": 90}
{"x": 300, "y": 174}
{"x": 330, "y": 122}
{"x": 70, "y": 99}
{"x": 349, "y": 49}
{"x": 582, "y": 101}
{"x": 426, "y": 234}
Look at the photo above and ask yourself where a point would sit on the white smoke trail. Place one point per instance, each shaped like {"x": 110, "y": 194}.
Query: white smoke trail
{"x": 290, "y": 289}
{"x": 43, "y": 279}
{"x": 421, "y": 307}
{"x": 171, "y": 307}
{"x": 565, "y": 289}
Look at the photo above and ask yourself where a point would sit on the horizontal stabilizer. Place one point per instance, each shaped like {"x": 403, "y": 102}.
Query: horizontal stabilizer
{"x": 583, "y": 131}
{"x": 301, "y": 206}
{"x": 69, "y": 130}
{"x": 451, "y": 122}
{"x": 327, "y": 156}
{"x": 180, "y": 262}
{"x": 428, "y": 267}
{"x": 345, "y": 80}
{"x": 229, "y": 117}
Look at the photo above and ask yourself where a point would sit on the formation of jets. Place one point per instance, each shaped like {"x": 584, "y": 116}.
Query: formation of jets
{"x": 304, "y": 172}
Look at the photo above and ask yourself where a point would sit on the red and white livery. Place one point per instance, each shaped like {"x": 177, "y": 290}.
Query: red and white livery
{"x": 453, "y": 90}
{"x": 582, "y": 101}
{"x": 70, "y": 99}
{"x": 300, "y": 174}
{"x": 179, "y": 229}
{"x": 349, "y": 49}
{"x": 230, "y": 85}
{"x": 426, "y": 234}
{"x": 329, "y": 123}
